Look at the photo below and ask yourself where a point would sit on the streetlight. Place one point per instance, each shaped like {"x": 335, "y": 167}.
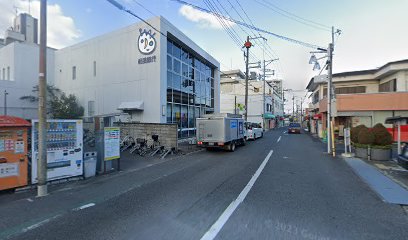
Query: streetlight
{"x": 5, "y": 102}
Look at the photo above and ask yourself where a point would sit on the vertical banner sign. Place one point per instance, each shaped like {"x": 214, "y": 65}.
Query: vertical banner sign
{"x": 112, "y": 143}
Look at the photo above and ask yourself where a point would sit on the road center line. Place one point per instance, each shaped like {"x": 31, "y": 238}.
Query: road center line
{"x": 217, "y": 226}
{"x": 279, "y": 139}
{"x": 84, "y": 206}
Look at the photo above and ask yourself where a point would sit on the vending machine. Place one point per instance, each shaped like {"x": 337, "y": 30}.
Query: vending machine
{"x": 64, "y": 149}
{"x": 13, "y": 152}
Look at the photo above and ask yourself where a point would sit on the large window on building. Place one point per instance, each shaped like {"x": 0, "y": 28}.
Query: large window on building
{"x": 190, "y": 88}
{"x": 350, "y": 90}
{"x": 390, "y": 86}
{"x": 73, "y": 72}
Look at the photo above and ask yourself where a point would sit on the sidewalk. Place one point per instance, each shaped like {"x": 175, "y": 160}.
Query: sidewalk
{"x": 390, "y": 169}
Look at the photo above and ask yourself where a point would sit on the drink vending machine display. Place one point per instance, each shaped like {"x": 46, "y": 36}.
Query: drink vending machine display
{"x": 64, "y": 149}
{"x": 13, "y": 152}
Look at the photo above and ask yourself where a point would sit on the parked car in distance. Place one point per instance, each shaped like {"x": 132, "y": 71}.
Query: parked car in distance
{"x": 294, "y": 128}
{"x": 403, "y": 157}
{"x": 254, "y": 130}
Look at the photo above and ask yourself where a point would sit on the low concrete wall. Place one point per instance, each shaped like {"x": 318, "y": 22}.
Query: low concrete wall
{"x": 167, "y": 132}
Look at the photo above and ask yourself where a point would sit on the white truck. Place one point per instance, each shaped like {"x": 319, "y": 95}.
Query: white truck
{"x": 220, "y": 130}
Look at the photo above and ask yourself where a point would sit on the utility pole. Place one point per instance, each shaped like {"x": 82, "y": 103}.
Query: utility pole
{"x": 330, "y": 142}
{"x": 42, "y": 105}
{"x": 247, "y": 45}
{"x": 293, "y": 103}
{"x": 235, "y": 105}
{"x": 5, "y": 102}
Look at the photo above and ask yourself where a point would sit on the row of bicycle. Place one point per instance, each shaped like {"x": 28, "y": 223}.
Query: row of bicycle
{"x": 142, "y": 147}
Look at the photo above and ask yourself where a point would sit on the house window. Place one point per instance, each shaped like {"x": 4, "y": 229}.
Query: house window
{"x": 4, "y": 74}
{"x": 256, "y": 89}
{"x": 316, "y": 97}
{"x": 94, "y": 68}
{"x": 351, "y": 90}
{"x": 73, "y": 72}
{"x": 390, "y": 86}
{"x": 8, "y": 73}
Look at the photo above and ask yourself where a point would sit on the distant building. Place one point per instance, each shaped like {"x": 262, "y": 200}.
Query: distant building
{"x": 25, "y": 29}
{"x": 362, "y": 97}
{"x": 19, "y": 64}
{"x": 233, "y": 98}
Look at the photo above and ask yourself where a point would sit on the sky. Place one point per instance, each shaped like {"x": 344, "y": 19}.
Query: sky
{"x": 373, "y": 32}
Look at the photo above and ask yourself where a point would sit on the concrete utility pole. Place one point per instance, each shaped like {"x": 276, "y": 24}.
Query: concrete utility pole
{"x": 247, "y": 45}
{"x": 5, "y": 102}
{"x": 293, "y": 103}
{"x": 330, "y": 141}
{"x": 42, "y": 105}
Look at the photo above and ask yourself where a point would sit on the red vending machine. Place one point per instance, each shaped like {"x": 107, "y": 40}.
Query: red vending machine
{"x": 13, "y": 152}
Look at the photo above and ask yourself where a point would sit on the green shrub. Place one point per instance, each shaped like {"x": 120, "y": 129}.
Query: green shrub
{"x": 365, "y": 136}
{"x": 381, "y": 135}
{"x": 354, "y": 133}
{"x": 359, "y": 145}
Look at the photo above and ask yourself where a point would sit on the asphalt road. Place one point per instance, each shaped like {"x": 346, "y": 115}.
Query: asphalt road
{"x": 301, "y": 193}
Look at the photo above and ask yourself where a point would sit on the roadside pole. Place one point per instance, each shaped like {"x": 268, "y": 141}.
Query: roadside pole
{"x": 42, "y": 105}
{"x": 247, "y": 45}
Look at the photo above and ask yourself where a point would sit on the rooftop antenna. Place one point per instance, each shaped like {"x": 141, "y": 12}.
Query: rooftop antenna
{"x": 15, "y": 9}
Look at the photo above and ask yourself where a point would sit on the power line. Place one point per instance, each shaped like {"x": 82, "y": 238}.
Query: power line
{"x": 294, "y": 16}
{"x": 252, "y": 55}
{"x": 225, "y": 26}
{"x": 122, "y": 8}
{"x": 305, "y": 44}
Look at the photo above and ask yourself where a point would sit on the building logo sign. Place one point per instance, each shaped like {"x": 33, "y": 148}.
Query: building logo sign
{"x": 146, "y": 44}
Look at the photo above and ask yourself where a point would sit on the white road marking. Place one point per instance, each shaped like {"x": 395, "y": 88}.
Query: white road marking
{"x": 284, "y": 132}
{"x": 84, "y": 206}
{"x": 217, "y": 226}
{"x": 30, "y": 200}
{"x": 34, "y": 226}
{"x": 279, "y": 139}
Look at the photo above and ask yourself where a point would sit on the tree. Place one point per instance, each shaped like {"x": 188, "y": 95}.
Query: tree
{"x": 67, "y": 107}
{"x": 381, "y": 135}
{"x": 365, "y": 136}
{"x": 58, "y": 104}
{"x": 354, "y": 133}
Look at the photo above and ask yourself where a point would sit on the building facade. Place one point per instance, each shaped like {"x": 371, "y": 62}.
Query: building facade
{"x": 233, "y": 98}
{"x": 19, "y": 64}
{"x": 141, "y": 73}
{"x": 362, "y": 97}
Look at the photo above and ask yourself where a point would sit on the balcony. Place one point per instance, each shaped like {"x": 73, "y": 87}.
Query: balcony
{"x": 397, "y": 101}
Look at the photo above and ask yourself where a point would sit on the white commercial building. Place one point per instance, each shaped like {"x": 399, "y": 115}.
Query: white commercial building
{"x": 19, "y": 65}
{"x": 233, "y": 98}
{"x": 144, "y": 72}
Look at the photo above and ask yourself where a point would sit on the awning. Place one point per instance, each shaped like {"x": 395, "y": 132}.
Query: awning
{"x": 269, "y": 116}
{"x": 128, "y": 106}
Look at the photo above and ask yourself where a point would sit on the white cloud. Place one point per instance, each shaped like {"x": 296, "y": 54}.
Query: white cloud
{"x": 205, "y": 20}
{"x": 61, "y": 29}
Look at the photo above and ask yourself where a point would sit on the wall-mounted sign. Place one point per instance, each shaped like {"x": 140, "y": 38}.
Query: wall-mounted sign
{"x": 146, "y": 42}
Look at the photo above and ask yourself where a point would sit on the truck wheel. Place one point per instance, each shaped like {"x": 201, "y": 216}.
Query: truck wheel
{"x": 231, "y": 147}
